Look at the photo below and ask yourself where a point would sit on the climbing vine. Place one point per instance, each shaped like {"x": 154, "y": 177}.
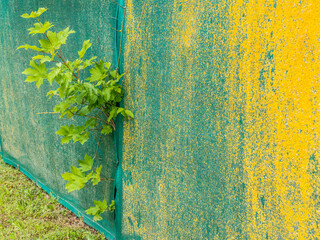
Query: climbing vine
{"x": 95, "y": 98}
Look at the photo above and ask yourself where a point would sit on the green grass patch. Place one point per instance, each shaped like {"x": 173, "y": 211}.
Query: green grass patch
{"x": 27, "y": 212}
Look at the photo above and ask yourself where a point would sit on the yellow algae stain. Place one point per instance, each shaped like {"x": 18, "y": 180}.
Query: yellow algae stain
{"x": 136, "y": 208}
{"x": 278, "y": 71}
{"x": 271, "y": 73}
{"x": 188, "y": 17}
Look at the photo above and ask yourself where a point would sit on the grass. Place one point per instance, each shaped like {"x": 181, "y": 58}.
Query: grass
{"x": 27, "y": 212}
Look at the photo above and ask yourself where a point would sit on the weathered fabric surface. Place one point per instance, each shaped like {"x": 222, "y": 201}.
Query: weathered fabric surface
{"x": 27, "y": 138}
{"x": 225, "y": 141}
{"x": 225, "y": 144}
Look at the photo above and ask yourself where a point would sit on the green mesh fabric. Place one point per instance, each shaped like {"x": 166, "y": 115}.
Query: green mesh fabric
{"x": 225, "y": 140}
{"x": 179, "y": 177}
{"x": 28, "y": 139}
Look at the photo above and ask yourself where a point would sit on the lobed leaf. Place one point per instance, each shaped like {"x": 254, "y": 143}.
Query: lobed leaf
{"x": 91, "y": 123}
{"x": 51, "y": 93}
{"x": 113, "y": 113}
{"x": 53, "y": 74}
{"x": 96, "y": 176}
{"x": 37, "y": 73}
{"x": 63, "y": 35}
{"x": 129, "y": 113}
{"x": 107, "y": 129}
{"x": 76, "y": 179}
{"x": 40, "y": 28}
{"x": 77, "y": 134}
{"x": 42, "y": 58}
{"x": 87, "y": 63}
{"x": 27, "y": 46}
{"x": 107, "y": 65}
{"x": 112, "y": 206}
{"x": 34, "y": 14}
{"x": 99, "y": 208}
{"x": 99, "y": 72}
{"x": 106, "y": 93}
{"x": 86, "y": 45}
{"x": 86, "y": 164}
{"x": 53, "y": 39}
{"x": 84, "y": 111}
{"x": 46, "y": 46}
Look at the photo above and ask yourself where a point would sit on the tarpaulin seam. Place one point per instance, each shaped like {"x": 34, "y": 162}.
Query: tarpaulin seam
{"x": 119, "y": 132}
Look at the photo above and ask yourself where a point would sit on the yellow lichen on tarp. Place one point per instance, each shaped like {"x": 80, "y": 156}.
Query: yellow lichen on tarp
{"x": 279, "y": 73}
{"x": 225, "y": 140}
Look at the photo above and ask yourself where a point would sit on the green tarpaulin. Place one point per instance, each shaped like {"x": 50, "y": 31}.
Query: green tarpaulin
{"x": 225, "y": 140}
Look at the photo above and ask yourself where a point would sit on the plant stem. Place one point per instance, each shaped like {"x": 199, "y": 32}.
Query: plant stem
{"x": 112, "y": 27}
{"x": 47, "y": 113}
{"x": 96, "y": 129}
{"x": 92, "y": 117}
{"x": 113, "y": 125}
{"x": 64, "y": 61}
{"x": 96, "y": 155}
{"x": 118, "y": 4}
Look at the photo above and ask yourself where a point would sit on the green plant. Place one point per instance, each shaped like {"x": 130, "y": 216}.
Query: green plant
{"x": 95, "y": 98}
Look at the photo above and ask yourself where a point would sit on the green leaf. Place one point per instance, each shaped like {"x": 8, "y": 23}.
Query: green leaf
{"x": 76, "y": 63}
{"x": 120, "y": 110}
{"x": 97, "y": 218}
{"x": 51, "y": 93}
{"x": 107, "y": 129}
{"x": 99, "y": 208}
{"x": 107, "y": 65}
{"x": 86, "y": 45}
{"x": 67, "y": 132}
{"x": 80, "y": 98}
{"x": 77, "y": 171}
{"x": 76, "y": 178}
{"x": 36, "y": 74}
{"x": 67, "y": 76}
{"x": 106, "y": 93}
{"x": 82, "y": 138}
{"x": 129, "y": 113}
{"x": 112, "y": 206}
{"x": 53, "y": 74}
{"x": 27, "y": 46}
{"x": 71, "y": 111}
{"x": 87, "y": 63}
{"x": 86, "y": 164}
{"x": 96, "y": 176}
{"x": 34, "y": 14}
{"x": 113, "y": 73}
{"x": 40, "y": 28}
{"x": 119, "y": 77}
{"x": 91, "y": 123}
{"x": 63, "y": 35}
{"x": 61, "y": 107}
{"x": 98, "y": 72}
{"x": 42, "y": 58}
{"x": 84, "y": 111}
{"x": 93, "y": 210}
{"x": 46, "y": 46}
{"x": 54, "y": 41}
{"x": 63, "y": 131}
{"x": 66, "y": 139}
{"x": 92, "y": 92}
{"x": 102, "y": 205}
{"x": 113, "y": 113}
